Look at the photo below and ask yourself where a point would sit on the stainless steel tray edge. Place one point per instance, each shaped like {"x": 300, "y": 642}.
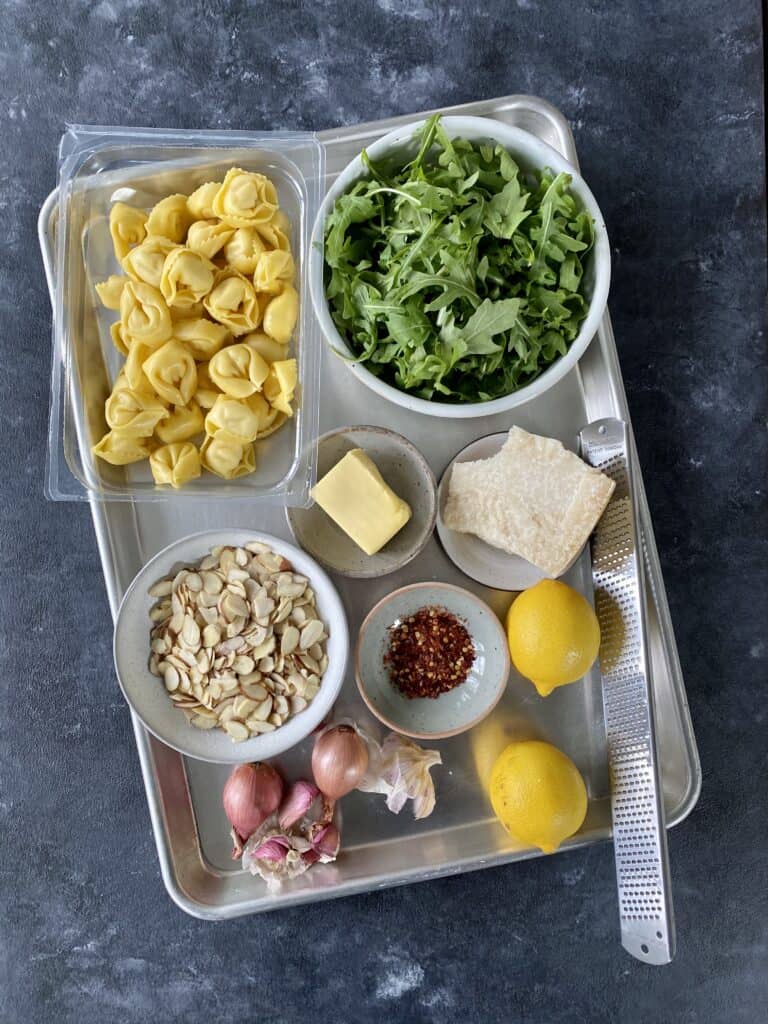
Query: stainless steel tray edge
{"x": 163, "y": 770}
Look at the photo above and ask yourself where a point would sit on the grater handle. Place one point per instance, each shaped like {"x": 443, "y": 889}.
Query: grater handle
{"x": 639, "y": 832}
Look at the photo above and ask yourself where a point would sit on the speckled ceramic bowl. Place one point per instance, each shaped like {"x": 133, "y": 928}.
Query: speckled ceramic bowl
{"x": 146, "y": 694}
{"x": 406, "y": 471}
{"x": 452, "y": 712}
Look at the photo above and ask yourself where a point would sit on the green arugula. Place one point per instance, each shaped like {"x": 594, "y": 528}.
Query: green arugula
{"x": 457, "y": 276}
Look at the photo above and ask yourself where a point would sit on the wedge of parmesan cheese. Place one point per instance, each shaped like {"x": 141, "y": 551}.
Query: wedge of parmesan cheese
{"x": 533, "y": 498}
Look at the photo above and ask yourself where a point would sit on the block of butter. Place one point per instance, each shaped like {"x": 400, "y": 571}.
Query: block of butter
{"x": 358, "y": 500}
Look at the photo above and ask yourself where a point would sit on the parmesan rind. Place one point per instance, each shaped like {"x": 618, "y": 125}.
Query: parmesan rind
{"x": 533, "y": 498}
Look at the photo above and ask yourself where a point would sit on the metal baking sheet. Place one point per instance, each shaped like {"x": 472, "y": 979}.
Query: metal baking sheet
{"x": 380, "y": 849}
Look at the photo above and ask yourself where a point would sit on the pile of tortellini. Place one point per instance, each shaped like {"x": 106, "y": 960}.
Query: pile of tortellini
{"x": 207, "y": 307}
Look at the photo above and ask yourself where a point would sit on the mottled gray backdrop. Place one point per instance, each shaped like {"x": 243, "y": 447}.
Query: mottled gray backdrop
{"x": 666, "y": 101}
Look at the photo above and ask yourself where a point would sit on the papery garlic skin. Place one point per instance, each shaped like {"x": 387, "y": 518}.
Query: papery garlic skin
{"x": 400, "y": 769}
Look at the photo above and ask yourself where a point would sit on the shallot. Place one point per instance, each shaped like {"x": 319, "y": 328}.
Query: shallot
{"x": 339, "y": 760}
{"x": 251, "y": 794}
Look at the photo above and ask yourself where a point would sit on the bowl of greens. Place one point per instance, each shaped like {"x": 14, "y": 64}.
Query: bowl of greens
{"x": 460, "y": 267}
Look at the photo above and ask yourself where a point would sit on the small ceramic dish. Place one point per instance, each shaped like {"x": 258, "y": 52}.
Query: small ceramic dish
{"x": 146, "y": 694}
{"x": 458, "y": 709}
{"x": 406, "y": 471}
{"x": 474, "y": 557}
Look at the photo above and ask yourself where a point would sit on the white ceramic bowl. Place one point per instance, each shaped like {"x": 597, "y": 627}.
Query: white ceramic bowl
{"x": 146, "y": 694}
{"x": 530, "y": 152}
{"x": 455, "y": 711}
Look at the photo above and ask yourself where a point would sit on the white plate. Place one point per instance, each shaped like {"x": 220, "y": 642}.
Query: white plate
{"x": 146, "y": 694}
{"x": 482, "y": 562}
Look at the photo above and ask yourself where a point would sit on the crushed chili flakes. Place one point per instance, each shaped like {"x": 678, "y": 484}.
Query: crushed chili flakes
{"x": 430, "y": 652}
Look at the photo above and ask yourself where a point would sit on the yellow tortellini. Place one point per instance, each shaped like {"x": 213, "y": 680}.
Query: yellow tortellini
{"x": 170, "y": 218}
{"x": 187, "y": 277}
{"x": 144, "y": 314}
{"x": 207, "y": 305}
{"x": 277, "y": 420}
{"x": 208, "y": 236}
{"x": 233, "y": 302}
{"x": 238, "y": 370}
{"x": 120, "y": 449}
{"x": 245, "y": 199}
{"x": 175, "y": 464}
{"x": 109, "y": 291}
{"x": 207, "y": 392}
{"x": 134, "y": 412}
{"x": 128, "y": 227}
{"x": 280, "y": 385}
{"x": 200, "y": 203}
{"x": 133, "y": 369}
{"x": 183, "y": 422}
{"x": 281, "y": 314}
{"x": 194, "y": 312}
{"x": 203, "y": 338}
{"x": 227, "y": 458}
{"x": 145, "y": 262}
{"x": 267, "y": 347}
{"x": 171, "y": 372}
{"x": 118, "y": 339}
{"x": 243, "y": 250}
{"x": 276, "y": 231}
{"x": 239, "y": 419}
{"x": 274, "y": 271}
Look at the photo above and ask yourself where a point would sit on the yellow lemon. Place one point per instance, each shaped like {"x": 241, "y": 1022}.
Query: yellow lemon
{"x": 553, "y": 635}
{"x": 494, "y": 734}
{"x": 538, "y": 794}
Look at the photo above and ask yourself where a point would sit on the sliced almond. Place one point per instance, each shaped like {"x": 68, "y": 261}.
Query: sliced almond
{"x": 237, "y": 731}
{"x": 257, "y": 726}
{"x": 244, "y": 706}
{"x": 243, "y": 665}
{"x": 289, "y": 640}
{"x": 200, "y": 722}
{"x": 160, "y": 589}
{"x": 171, "y": 678}
{"x": 263, "y": 710}
{"x": 311, "y": 633}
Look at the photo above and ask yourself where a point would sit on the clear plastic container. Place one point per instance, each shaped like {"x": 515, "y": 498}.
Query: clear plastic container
{"x": 139, "y": 166}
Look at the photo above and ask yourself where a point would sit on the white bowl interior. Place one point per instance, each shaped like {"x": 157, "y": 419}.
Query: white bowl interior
{"x": 451, "y": 712}
{"x": 530, "y": 152}
{"x": 146, "y": 693}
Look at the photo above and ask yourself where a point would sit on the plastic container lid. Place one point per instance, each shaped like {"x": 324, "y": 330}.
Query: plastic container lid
{"x": 99, "y": 166}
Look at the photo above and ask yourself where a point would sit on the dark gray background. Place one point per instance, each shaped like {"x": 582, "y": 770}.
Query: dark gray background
{"x": 666, "y": 102}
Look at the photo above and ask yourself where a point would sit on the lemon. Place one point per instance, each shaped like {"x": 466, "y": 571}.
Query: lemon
{"x": 538, "y": 794}
{"x": 491, "y": 736}
{"x": 553, "y": 635}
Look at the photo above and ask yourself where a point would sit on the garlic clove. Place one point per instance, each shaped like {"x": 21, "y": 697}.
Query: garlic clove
{"x": 297, "y": 802}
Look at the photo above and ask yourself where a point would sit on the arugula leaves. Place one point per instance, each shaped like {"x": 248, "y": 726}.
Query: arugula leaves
{"x": 457, "y": 276}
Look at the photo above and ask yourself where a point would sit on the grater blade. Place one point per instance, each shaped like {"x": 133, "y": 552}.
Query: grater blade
{"x": 639, "y": 833}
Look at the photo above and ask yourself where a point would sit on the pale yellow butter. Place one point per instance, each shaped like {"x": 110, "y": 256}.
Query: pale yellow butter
{"x": 358, "y": 500}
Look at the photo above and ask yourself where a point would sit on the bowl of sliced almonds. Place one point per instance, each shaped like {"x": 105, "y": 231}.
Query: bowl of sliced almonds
{"x": 231, "y": 645}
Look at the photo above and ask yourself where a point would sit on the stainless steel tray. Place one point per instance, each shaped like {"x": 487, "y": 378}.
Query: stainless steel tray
{"x": 379, "y": 849}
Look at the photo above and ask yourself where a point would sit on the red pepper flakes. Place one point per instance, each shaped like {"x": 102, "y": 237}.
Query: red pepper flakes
{"x": 430, "y": 653}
